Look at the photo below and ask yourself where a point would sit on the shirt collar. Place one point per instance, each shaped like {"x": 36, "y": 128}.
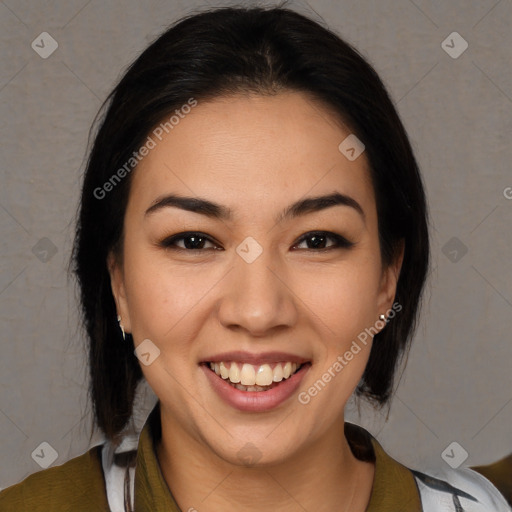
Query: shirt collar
{"x": 394, "y": 487}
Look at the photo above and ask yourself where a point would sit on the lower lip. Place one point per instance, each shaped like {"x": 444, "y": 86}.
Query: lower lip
{"x": 255, "y": 401}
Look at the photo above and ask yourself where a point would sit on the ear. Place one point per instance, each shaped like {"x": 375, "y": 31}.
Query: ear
{"x": 115, "y": 270}
{"x": 389, "y": 280}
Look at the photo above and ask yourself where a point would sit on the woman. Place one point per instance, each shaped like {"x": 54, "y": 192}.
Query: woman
{"x": 253, "y": 224}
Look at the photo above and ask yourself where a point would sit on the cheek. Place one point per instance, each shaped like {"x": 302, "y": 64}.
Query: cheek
{"x": 158, "y": 295}
{"x": 169, "y": 302}
{"x": 342, "y": 297}
{"x": 343, "y": 302}
{"x": 161, "y": 302}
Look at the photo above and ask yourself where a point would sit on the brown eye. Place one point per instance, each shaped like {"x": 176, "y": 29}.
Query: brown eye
{"x": 317, "y": 240}
{"x": 191, "y": 241}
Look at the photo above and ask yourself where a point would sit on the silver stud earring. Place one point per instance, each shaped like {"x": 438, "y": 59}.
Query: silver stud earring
{"x": 121, "y": 326}
{"x": 382, "y": 317}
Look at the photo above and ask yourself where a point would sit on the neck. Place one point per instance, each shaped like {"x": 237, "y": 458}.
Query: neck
{"x": 324, "y": 476}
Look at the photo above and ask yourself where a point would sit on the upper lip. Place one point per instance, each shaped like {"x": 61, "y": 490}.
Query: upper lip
{"x": 255, "y": 359}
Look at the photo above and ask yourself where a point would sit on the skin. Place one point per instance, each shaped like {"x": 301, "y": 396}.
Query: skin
{"x": 256, "y": 155}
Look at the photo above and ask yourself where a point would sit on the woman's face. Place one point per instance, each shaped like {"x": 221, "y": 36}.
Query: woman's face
{"x": 251, "y": 286}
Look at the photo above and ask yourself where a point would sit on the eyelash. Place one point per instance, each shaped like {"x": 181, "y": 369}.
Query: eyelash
{"x": 340, "y": 241}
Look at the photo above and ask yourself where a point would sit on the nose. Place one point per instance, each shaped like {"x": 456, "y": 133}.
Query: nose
{"x": 257, "y": 298}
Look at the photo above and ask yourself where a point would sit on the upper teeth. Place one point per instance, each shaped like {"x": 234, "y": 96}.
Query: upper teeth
{"x": 250, "y": 375}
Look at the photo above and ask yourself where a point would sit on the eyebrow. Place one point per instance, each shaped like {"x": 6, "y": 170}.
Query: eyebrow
{"x": 218, "y": 211}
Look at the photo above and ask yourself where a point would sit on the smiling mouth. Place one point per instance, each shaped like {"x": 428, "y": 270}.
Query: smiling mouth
{"x": 248, "y": 377}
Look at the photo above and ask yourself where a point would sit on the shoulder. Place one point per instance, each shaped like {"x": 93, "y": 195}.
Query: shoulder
{"x": 460, "y": 489}
{"x": 76, "y": 485}
{"x": 440, "y": 489}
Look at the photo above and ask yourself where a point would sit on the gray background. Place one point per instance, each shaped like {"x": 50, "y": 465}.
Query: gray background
{"x": 458, "y": 112}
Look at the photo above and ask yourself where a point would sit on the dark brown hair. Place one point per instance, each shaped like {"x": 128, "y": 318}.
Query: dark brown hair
{"x": 214, "y": 53}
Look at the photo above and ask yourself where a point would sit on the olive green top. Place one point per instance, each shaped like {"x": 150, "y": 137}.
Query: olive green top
{"x": 78, "y": 485}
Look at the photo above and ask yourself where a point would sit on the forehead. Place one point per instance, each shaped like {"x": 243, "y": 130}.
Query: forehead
{"x": 250, "y": 152}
